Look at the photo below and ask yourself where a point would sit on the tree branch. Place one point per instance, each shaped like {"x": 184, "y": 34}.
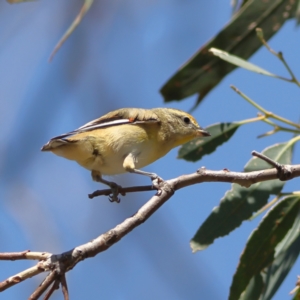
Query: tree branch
{"x": 59, "y": 264}
{"x": 204, "y": 175}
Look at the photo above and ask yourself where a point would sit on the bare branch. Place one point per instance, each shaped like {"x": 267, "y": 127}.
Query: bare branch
{"x": 61, "y": 263}
{"x": 27, "y": 254}
{"x": 270, "y": 161}
{"x": 64, "y": 287}
{"x": 28, "y": 273}
{"x": 284, "y": 171}
{"x": 43, "y": 286}
{"x": 203, "y": 175}
{"x": 123, "y": 191}
{"x": 55, "y": 286}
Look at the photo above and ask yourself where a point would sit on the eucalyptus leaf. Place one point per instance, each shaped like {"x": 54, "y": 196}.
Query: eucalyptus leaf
{"x": 220, "y": 133}
{"x": 201, "y": 73}
{"x": 286, "y": 254}
{"x": 240, "y": 62}
{"x": 239, "y": 203}
{"x": 259, "y": 252}
{"x": 254, "y": 288}
{"x": 263, "y": 286}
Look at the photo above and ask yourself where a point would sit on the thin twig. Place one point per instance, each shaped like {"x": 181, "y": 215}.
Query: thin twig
{"x": 122, "y": 191}
{"x": 267, "y": 113}
{"x": 284, "y": 171}
{"x": 54, "y": 287}
{"x": 204, "y": 175}
{"x": 62, "y": 263}
{"x": 264, "y": 208}
{"x": 15, "y": 279}
{"x": 279, "y": 55}
{"x": 270, "y": 161}
{"x": 43, "y": 286}
{"x": 64, "y": 287}
{"x": 86, "y": 6}
{"x": 27, "y": 254}
{"x": 13, "y": 255}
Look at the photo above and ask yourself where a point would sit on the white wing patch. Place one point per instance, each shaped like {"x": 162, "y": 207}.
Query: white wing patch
{"x": 92, "y": 125}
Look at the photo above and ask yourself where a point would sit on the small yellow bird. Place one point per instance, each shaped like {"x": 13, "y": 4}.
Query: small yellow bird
{"x": 125, "y": 140}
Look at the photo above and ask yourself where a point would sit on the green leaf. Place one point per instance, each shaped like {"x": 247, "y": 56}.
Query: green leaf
{"x": 236, "y": 5}
{"x": 204, "y": 71}
{"x": 260, "y": 248}
{"x": 254, "y": 288}
{"x": 298, "y": 13}
{"x": 220, "y": 133}
{"x": 239, "y": 203}
{"x": 240, "y": 62}
{"x": 270, "y": 279}
{"x": 286, "y": 254}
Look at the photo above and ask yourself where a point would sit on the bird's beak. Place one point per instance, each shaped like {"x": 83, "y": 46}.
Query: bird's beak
{"x": 202, "y": 132}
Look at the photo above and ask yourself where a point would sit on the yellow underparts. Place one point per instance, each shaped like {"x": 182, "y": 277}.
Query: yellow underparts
{"x": 117, "y": 149}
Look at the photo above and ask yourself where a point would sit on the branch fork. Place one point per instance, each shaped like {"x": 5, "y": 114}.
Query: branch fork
{"x": 58, "y": 265}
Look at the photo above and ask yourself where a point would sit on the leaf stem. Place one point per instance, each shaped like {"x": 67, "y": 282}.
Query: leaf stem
{"x": 260, "y": 35}
{"x": 264, "y": 208}
{"x": 272, "y": 202}
{"x": 251, "y": 120}
{"x": 268, "y": 114}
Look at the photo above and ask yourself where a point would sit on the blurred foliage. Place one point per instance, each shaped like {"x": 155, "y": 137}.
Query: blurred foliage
{"x": 18, "y": 1}
{"x": 86, "y": 6}
{"x": 84, "y": 9}
{"x": 274, "y": 245}
{"x": 203, "y": 71}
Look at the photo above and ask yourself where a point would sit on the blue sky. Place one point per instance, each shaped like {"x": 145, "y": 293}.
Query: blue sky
{"x": 120, "y": 56}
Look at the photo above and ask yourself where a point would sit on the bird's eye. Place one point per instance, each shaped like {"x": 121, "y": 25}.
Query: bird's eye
{"x": 186, "y": 120}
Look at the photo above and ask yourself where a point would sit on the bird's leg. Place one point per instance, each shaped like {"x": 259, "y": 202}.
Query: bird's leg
{"x": 113, "y": 197}
{"x": 156, "y": 180}
{"x": 129, "y": 166}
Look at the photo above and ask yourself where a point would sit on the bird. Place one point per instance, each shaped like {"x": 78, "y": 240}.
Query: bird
{"x": 126, "y": 140}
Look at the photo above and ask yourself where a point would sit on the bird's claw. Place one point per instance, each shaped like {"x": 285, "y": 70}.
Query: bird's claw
{"x": 156, "y": 181}
{"x": 113, "y": 197}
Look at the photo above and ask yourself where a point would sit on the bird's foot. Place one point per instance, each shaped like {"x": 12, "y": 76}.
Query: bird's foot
{"x": 113, "y": 197}
{"x": 156, "y": 181}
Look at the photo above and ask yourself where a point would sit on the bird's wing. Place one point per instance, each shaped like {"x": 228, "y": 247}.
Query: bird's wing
{"x": 115, "y": 118}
